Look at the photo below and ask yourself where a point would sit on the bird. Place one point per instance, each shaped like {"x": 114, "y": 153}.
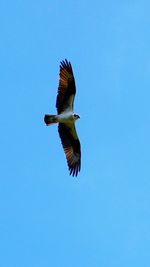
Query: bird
{"x": 66, "y": 117}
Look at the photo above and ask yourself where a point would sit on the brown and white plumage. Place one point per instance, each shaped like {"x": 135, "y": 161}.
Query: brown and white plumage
{"x": 66, "y": 89}
{"x": 66, "y": 118}
{"x": 71, "y": 146}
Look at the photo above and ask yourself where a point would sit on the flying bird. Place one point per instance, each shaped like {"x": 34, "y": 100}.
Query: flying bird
{"x": 66, "y": 117}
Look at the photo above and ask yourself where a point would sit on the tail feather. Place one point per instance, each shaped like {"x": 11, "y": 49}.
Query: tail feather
{"x": 50, "y": 119}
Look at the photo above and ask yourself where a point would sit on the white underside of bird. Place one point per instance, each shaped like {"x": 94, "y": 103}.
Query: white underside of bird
{"x": 65, "y": 117}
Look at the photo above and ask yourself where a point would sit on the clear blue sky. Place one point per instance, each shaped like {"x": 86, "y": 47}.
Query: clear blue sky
{"x": 101, "y": 218}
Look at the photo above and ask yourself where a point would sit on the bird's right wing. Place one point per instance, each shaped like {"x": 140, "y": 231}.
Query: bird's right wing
{"x": 66, "y": 89}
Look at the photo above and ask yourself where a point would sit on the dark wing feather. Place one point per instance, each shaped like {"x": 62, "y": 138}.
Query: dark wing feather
{"x": 67, "y": 88}
{"x": 71, "y": 146}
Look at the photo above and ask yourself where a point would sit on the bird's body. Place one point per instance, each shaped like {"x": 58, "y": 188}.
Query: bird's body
{"x": 66, "y": 117}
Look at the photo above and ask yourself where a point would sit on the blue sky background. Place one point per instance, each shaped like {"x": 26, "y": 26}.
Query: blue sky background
{"x": 101, "y": 218}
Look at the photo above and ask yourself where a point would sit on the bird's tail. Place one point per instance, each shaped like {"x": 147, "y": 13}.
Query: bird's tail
{"x": 50, "y": 119}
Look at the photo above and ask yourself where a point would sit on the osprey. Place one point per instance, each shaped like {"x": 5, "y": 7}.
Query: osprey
{"x": 66, "y": 118}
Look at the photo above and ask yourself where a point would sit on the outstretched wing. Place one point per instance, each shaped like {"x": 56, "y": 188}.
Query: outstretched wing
{"x": 71, "y": 146}
{"x": 66, "y": 89}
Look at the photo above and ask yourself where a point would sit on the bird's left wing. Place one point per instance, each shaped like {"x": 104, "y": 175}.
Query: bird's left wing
{"x": 71, "y": 145}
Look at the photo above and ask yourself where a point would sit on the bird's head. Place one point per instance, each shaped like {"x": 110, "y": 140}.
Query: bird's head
{"x": 76, "y": 116}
